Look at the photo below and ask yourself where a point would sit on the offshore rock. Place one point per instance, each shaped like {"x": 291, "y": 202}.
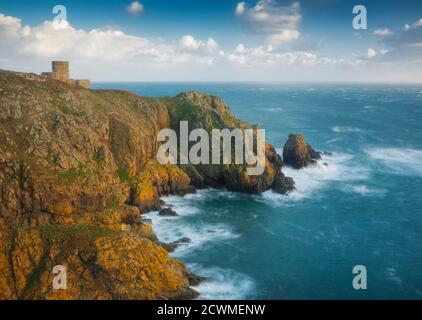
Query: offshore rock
{"x": 299, "y": 154}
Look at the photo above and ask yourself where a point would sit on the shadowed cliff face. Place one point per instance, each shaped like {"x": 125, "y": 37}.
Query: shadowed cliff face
{"x": 77, "y": 167}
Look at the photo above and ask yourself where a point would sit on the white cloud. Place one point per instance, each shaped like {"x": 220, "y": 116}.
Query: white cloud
{"x": 278, "y": 23}
{"x": 260, "y": 56}
{"x": 109, "y": 54}
{"x": 383, "y": 32}
{"x": 407, "y": 42}
{"x": 240, "y": 8}
{"x": 135, "y": 8}
{"x": 414, "y": 25}
{"x": 189, "y": 42}
{"x": 211, "y": 45}
{"x": 49, "y": 42}
{"x": 371, "y": 53}
{"x": 11, "y": 27}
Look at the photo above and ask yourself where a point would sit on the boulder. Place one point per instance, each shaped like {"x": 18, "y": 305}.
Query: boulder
{"x": 167, "y": 212}
{"x": 171, "y": 246}
{"x": 194, "y": 279}
{"x": 182, "y": 241}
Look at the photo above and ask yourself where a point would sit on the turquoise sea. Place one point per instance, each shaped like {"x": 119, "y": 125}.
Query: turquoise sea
{"x": 364, "y": 208}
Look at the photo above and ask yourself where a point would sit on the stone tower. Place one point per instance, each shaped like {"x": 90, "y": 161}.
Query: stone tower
{"x": 60, "y": 70}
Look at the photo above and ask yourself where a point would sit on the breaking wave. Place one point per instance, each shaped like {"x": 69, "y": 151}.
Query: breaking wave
{"x": 364, "y": 190}
{"x": 170, "y": 229}
{"x": 222, "y": 284}
{"x": 316, "y": 178}
{"x": 345, "y": 129}
{"x": 399, "y": 160}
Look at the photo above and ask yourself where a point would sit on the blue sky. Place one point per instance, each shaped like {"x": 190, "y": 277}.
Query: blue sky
{"x": 204, "y": 40}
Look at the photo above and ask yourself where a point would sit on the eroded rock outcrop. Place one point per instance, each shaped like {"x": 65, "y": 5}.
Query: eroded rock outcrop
{"x": 210, "y": 112}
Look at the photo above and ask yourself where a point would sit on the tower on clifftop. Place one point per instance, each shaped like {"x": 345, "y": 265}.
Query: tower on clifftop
{"x": 60, "y": 72}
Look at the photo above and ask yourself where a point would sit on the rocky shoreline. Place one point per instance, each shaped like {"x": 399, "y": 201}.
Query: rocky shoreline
{"x": 78, "y": 170}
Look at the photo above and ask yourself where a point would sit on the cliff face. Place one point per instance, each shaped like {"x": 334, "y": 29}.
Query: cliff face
{"x": 77, "y": 167}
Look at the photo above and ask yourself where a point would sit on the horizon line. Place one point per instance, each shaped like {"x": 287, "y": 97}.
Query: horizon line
{"x": 262, "y": 81}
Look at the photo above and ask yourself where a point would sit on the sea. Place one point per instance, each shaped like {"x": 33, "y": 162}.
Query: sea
{"x": 362, "y": 206}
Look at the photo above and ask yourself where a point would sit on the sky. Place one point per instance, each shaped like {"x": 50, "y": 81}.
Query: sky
{"x": 215, "y": 40}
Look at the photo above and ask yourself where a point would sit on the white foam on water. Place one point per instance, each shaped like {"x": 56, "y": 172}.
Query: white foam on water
{"x": 222, "y": 284}
{"x": 170, "y": 229}
{"x": 364, "y": 190}
{"x": 339, "y": 129}
{"x": 391, "y": 275}
{"x": 182, "y": 205}
{"x": 332, "y": 140}
{"x": 315, "y": 178}
{"x": 188, "y": 205}
{"x": 278, "y": 109}
{"x": 399, "y": 160}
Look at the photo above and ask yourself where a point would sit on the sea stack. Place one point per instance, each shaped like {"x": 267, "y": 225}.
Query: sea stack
{"x": 299, "y": 154}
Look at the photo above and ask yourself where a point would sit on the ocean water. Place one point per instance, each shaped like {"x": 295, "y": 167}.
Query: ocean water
{"x": 363, "y": 208}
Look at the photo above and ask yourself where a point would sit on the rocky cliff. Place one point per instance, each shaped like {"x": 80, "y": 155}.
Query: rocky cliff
{"x": 78, "y": 167}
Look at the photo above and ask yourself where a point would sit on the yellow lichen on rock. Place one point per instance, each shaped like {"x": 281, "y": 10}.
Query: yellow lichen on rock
{"x": 100, "y": 264}
{"x": 156, "y": 180}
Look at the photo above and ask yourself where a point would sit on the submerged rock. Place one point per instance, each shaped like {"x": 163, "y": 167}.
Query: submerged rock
{"x": 194, "y": 279}
{"x": 171, "y": 246}
{"x": 167, "y": 212}
{"x": 146, "y": 221}
{"x": 182, "y": 241}
{"x": 299, "y": 154}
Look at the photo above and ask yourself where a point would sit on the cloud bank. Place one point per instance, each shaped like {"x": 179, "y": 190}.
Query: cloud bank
{"x": 110, "y": 54}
